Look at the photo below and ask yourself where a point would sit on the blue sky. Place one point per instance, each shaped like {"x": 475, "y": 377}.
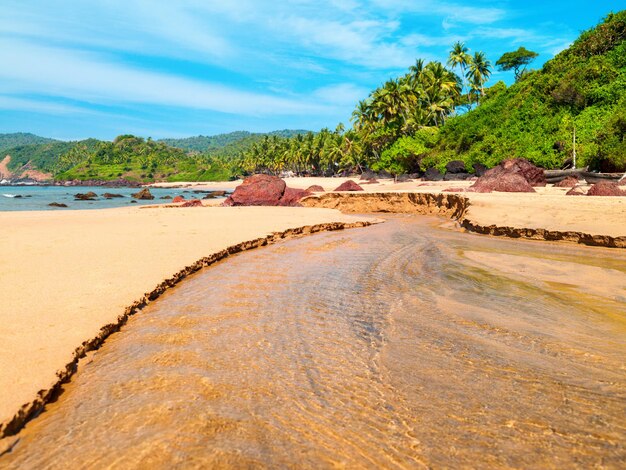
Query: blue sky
{"x": 170, "y": 68}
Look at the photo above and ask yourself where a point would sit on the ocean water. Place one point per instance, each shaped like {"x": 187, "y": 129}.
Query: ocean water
{"x": 37, "y": 198}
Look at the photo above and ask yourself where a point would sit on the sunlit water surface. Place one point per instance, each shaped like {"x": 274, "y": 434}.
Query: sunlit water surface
{"x": 400, "y": 345}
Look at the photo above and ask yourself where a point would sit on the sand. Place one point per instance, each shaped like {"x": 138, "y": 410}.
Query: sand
{"x": 67, "y": 274}
{"x": 549, "y": 208}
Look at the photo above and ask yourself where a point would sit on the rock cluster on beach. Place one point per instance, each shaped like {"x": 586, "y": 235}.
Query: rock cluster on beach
{"x": 517, "y": 175}
{"x": 265, "y": 190}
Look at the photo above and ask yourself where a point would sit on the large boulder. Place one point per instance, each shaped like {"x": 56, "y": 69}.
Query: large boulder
{"x": 505, "y": 182}
{"x": 349, "y": 186}
{"x": 257, "y": 190}
{"x": 455, "y": 166}
{"x": 178, "y": 199}
{"x": 144, "y": 194}
{"x": 112, "y": 195}
{"x": 291, "y": 197}
{"x": 567, "y": 182}
{"x": 515, "y": 175}
{"x": 605, "y": 188}
{"x": 433, "y": 174}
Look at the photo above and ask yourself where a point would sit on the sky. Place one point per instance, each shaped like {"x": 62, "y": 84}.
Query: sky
{"x": 71, "y": 69}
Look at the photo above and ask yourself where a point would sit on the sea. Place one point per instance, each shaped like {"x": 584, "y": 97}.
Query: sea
{"x": 38, "y": 198}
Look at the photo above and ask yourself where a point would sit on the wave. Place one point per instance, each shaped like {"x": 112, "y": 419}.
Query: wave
{"x": 10, "y": 195}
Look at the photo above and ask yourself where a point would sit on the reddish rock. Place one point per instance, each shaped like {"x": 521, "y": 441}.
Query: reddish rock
{"x": 179, "y": 199}
{"x": 454, "y": 190}
{"x": 605, "y": 188}
{"x": 144, "y": 194}
{"x": 192, "y": 203}
{"x": 568, "y": 182}
{"x": 316, "y": 188}
{"x": 291, "y": 197}
{"x": 257, "y": 190}
{"x": 349, "y": 186}
{"x": 504, "y": 182}
{"x": 576, "y": 191}
{"x": 371, "y": 181}
{"x": 511, "y": 176}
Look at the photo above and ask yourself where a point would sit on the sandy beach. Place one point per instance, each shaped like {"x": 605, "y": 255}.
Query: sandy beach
{"x": 549, "y": 208}
{"x": 67, "y": 274}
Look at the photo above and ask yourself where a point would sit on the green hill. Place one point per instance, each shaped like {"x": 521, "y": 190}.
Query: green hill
{"x": 8, "y": 141}
{"x": 582, "y": 87}
{"x": 230, "y": 144}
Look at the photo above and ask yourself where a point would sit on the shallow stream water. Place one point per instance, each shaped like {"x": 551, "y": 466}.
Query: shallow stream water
{"x": 401, "y": 345}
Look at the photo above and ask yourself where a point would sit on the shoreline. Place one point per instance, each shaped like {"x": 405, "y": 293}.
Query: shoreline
{"x": 76, "y": 309}
{"x": 77, "y": 304}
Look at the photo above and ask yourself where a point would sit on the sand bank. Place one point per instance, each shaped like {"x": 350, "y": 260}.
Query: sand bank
{"x": 547, "y": 209}
{"x": 65, "y": 275}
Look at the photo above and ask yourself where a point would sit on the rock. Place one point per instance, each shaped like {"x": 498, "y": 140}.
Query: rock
{"x": 18, "y": 196}
{"x": 213, "y": 194}
{"x": 479, "y": 169}
{"x": 433, "y": 174}
{"x": 144, "y": 194}
{"x": 257, "y": 190}
{"x": 133, "y": 202}
{"x": 291, "y": 197}
{"x": 531, "y": 173}
{"x": 576, "y": 191}
{"x": 371, "y": 181}
{"x": 605, "y": 188}
{"x": 456, "y": 176}
{"x": 505, "y": 182}
{"x": 112, "y": 195}
{"x": 166, "y": 197}
{"x": 455, "y": 166}
{"x": 192, "y": 203}
{"x": 178, "y": 199}
{"x": 515, "y": 175}
{"x": 454, "y": 190}
{"x": 368, "y": 175}
{"x": 349, "y": 186}
{"x": 57, "y": 204}
{"x": 90, "y": 196}
{"x": 316, "y": 188}
{"x": 568, "y": 182}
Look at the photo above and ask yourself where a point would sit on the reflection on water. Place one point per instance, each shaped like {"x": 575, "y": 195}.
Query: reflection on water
{"x": 395, "y": 346}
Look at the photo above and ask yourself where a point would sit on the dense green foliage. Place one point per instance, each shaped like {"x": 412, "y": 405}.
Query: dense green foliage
{"x": 18, "y": 139}
{"x": 136, "y": 159}
{"x": 582, "y": 87}
{"x": 229, "y": 144}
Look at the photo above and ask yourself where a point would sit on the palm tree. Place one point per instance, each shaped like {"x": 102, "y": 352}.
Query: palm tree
{"x": 459, "y": 57}
{"x": 478, "y": 72}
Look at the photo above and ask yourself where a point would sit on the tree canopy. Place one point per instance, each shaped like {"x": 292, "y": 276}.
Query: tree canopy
{"x": 516, "y": 60}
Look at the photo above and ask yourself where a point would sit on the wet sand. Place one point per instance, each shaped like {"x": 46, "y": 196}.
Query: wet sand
{"x": 65, "y": 275}
{"x": 399, "y": 345}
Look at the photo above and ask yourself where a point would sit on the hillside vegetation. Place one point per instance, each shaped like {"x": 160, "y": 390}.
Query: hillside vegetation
{"x": 582, "y": 87}
{"x": 435, "y": 114}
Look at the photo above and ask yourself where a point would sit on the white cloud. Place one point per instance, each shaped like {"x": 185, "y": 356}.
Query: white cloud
{"x": 87, "y": 77}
